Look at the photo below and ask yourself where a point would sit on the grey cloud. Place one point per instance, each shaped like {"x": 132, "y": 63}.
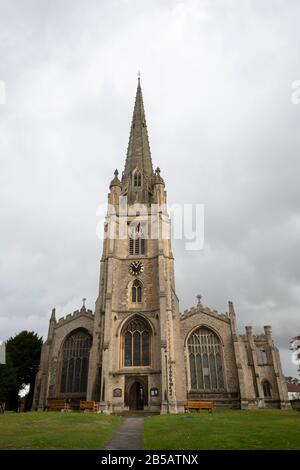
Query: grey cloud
{"x": 217, "y": 82}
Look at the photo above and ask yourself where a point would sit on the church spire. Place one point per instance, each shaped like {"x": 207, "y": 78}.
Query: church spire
{"x": 138, "y": 152}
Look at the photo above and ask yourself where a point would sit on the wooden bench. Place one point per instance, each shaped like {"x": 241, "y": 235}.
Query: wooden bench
{"x": 199, "y": 405}
{"x": 57, "y": 405}
{"x": 89, "y": 405}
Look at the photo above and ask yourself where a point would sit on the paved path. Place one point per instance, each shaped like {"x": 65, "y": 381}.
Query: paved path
{"x": 129, "y": 436}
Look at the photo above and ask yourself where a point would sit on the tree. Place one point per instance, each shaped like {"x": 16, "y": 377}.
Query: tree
{"x": 24, "y": 350}
{"x": 8, "y": 380}
{"x": 296, "y": 348}
{"x": 292, "y": 380}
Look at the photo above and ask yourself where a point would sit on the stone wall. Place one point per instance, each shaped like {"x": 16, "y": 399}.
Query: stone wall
{"x": 47, "y": 384}
{"x": 220, "y": 325}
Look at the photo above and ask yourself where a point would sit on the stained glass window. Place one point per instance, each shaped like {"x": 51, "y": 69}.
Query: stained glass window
{"x": 75, "y": 358}
{"x": 128, "y": 350}
{"x": 206, "y": 369}
{"x": 137, "y": 343}
{"x": 145, "y": 348}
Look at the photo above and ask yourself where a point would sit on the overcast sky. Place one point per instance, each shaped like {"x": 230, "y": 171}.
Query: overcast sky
{"x": 217, "y": 83}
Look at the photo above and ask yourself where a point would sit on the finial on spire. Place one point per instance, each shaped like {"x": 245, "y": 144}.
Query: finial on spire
{"x": 83, "y": 303}
{"x": 139, "y": 75}
{"x": 115, "y": 181}
{"x": 158, "y": 179}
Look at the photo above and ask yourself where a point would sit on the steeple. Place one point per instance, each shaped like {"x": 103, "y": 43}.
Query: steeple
{"x": 138, "y": 152}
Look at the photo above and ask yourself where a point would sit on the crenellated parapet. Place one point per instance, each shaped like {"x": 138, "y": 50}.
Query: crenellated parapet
{"x": 72, "y": 316}
{"x": 256, "y": 338}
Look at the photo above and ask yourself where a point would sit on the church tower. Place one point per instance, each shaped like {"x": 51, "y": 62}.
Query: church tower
{"x": 136, "y": 352}
{"x": 136, "y": 360}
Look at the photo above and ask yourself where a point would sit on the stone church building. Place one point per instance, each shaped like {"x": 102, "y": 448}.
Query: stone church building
{"x": 137, "y": 351}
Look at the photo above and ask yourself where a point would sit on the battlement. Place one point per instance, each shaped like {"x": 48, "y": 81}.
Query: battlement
{"x": 73, "y": 315}
{"x": 260, "y": 337}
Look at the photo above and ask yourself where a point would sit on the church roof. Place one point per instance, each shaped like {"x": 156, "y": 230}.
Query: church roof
{"x": 293, "y": 388}
{"x": 138, "y": 151}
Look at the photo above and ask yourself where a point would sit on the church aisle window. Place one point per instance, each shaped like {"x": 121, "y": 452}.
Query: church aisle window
{"x": 75, "y": 359}
{"x": 206, "y": 369}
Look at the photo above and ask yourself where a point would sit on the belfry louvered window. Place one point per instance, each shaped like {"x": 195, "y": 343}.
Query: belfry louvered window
{"x": 75, "y": 362}
{"x": 136, "y": 339}
{"x": 137, "y": 242}
{"x": 205, "y": 358}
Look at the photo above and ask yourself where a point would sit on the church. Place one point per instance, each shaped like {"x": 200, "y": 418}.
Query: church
{"x": 137, "y": 351}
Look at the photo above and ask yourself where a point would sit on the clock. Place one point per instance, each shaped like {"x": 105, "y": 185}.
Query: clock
{"x": 136, "y": 268}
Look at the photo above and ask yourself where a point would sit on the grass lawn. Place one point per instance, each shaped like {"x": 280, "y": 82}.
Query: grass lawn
{"x": 224, "y": 429}
{"x": 55, "y": 430}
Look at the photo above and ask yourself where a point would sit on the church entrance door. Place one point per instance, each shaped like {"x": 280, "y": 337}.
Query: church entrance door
{"x": 136, "y": 396}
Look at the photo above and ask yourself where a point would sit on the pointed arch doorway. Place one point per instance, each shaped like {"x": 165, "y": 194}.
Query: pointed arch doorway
{"x": 136, "y": 397}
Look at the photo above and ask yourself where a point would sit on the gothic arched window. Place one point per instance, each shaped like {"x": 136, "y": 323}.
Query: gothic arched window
{"x": 137, "y": 178}
{"x": 205, "y": 357}
{"x": 267, "y": 389}
{"x": 136, "y": 342}
{"x": 136, "y": 292}
{"x": 75, "y": 362}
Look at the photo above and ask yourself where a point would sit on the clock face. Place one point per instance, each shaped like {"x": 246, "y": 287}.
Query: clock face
{"x": 136, "y": 268}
